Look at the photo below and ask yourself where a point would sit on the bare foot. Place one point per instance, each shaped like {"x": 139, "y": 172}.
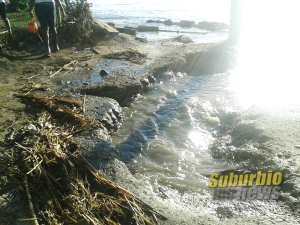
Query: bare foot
{"x": 48, "y": 52}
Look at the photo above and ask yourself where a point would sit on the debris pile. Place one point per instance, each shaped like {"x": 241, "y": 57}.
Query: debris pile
{"x": 41, "y": 163}
{"x": 76, "y": 27}
{"x": 31, "y": 86}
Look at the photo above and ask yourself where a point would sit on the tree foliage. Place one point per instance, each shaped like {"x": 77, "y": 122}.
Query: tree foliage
{"x": 18, "y": 5}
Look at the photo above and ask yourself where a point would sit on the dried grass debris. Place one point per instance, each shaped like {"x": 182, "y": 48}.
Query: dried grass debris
{"x": 32, "y": 86}
{"x": 77, "y": 26}
{"x": 47, "y": 169}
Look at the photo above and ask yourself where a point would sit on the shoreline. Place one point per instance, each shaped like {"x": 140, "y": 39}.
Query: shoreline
{"x": 26, "y": 68}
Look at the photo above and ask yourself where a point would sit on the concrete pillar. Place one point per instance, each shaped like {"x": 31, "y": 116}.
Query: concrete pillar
{"x": 235, "y": 21}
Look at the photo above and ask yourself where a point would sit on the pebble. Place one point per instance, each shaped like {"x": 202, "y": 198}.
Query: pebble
{"x": 21, "y": 44}
{"x": 31, "y": 128}
{"x": 103, "y": 73}
{"x": 297, "y": 146}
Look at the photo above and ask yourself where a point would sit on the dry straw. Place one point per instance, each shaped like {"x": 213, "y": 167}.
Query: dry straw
{"x": 44, "y": 165}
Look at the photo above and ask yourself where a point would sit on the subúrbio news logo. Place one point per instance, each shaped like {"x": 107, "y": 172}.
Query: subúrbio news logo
{"x": 246, "y": 186}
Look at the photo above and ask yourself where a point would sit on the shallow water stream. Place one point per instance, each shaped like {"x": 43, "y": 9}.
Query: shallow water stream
{"x": 168, "y": 132}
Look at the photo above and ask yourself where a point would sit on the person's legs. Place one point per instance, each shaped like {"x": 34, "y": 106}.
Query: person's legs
{"x": 7, "y": 24}
{"x": 45, "y": 36}
{"x": 52, "y": 26}
{"x": 3, "y": 16}
{"x": 53, "y": 32}
{"x": 41, "y": 11}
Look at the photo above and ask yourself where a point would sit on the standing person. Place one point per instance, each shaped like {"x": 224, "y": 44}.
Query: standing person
{"x": 45, "y": 11}
{"x": 3, "y": 15}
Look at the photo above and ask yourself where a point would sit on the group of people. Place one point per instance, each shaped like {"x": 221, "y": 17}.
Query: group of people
{"x": 45, "y": 11}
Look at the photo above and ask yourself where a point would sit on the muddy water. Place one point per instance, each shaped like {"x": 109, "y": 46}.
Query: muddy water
{"x": 169, "y": 131}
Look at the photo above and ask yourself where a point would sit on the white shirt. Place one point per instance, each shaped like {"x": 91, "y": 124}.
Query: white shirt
{"x": 2, "y": 1}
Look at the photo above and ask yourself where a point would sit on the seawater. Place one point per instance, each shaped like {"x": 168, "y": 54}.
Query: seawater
{"x": 134, "y": 13}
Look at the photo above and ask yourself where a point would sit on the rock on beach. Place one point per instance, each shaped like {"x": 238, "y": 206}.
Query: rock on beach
{"x": 116, "y": 86}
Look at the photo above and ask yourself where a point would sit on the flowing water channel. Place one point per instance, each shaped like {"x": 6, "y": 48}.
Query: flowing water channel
{"x": 168, "y": 132}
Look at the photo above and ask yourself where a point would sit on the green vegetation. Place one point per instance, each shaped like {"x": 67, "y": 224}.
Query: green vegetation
{"x": 18, "y": 20}
{"x": 19, "y": 25}
{"x": 18, "y": 5}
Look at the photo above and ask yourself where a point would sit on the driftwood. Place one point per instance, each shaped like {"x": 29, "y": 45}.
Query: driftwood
{"x": 65, "y": 66}
{"x": 31, "y": 86}
{"x": 30, "y": 201}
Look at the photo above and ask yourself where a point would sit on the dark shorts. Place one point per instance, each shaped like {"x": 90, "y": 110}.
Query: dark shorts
{"x": 46, "y": 14}
{"x": 3, "y": 10}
